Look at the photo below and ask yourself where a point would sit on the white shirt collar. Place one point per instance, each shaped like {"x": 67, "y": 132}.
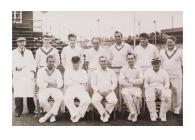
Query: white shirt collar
{"x": 21, "y": 49}
{"x": 50, "y": 70}
{"x": 76, "y": 46}
{"x": 157, "y": 71}
{"x": 122, "y": 44}
{"x": 97, "y": 49}
{"x": 45, "y": 48}
{"x": 145, "y": 46}
{"x": 174, "y": 49}
{"x": 131, "y": 68}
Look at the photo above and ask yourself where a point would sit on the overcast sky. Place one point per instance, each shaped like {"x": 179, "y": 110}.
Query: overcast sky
{"x": 87, "y": 25}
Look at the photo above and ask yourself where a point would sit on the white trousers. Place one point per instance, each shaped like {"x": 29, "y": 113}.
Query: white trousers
{"x": 90, "y": 73}
{"x": 176, "y": 87}
{"x": 133, "y": 98}
{"x": 165, "y": 101}
{"x": 56, "y": 94}
{"x": 111, "y": 101}
{"x": 84, "y": 100}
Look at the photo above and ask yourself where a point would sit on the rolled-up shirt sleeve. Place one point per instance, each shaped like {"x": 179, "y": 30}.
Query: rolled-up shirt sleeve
{"x": 139, "y": 80}
{"x": 122, "y": 78}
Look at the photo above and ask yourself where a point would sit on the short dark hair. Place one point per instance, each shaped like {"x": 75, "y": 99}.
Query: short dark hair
{"x": 156, "y": 61}
{"x": 102, "y": 56}
{"x": 49, "y": 56}
{"x": 75, "y": 59}
{"x": 130, "y": 54}
{"x": 172, "y": 37}
{"x": 144, "y": 35}
{"x": 116, "y": 32}
{"x": 71, "y": 35}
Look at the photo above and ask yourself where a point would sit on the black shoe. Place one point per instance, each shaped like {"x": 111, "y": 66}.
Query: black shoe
{"x": 18, "y": 114}
{"x": 32, "y": 112}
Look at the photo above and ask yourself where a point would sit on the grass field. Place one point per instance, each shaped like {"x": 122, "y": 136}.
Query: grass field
{"x": 143, "y": 120}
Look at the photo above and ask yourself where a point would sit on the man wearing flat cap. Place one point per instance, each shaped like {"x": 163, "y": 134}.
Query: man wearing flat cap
{"x": 46, "y": 50}
{"x": 156, "y": 84}
{"x": 75, "y": 84}
{"x": 23, "y": 68}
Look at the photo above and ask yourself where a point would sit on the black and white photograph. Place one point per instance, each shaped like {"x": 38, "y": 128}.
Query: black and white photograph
{"x": 97, "y": 68}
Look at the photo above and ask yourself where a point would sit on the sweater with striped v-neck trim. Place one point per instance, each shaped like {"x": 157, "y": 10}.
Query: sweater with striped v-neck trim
{"x": 42, "y": 53}
{"x": 118, "y": 54}
{"x": 172, "y": 61}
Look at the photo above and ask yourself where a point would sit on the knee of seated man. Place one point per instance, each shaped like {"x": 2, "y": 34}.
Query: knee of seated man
{"x": 137, "y": 93}
{"x": 88, "y": 100}
{"x": 60, "y": 98}
{"x": 114, "y": 100}
{"x": 94, "y": 100}
{"x": 149, "y": 90}
{"x": 166, "y": 93}
{"x": 42, "y": 98}
{"x": 43, "y": 102}
{"x": 125, "y": 92}
{"x": 59, "y": 95}
{"x": 66, "y": 99}
{"x": 150, "y": 97}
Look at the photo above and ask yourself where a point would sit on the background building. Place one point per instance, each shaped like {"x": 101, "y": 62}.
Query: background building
{"x": 22, "y": 26}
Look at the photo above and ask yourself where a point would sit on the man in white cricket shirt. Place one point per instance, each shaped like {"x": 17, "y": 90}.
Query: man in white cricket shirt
{"x": 145, "y": 52}
{"x": 131, "y": 79}
{"x": 49, "y": 81}
{"x": 46, "y": 50}
{"x": 92, "y": 58}
{"x": 103, "y": 83}
{"x": 156, "y": 84}
{"x": 172, "y": 62}
{"x": 75, "y": 84}
{"x": 117, "y": 59}
{"x": 69, "y": 51}
{"x": 118, "y": 52}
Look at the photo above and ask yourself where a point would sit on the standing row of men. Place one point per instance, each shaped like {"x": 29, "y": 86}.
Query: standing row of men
{"x": 137, "y": 71}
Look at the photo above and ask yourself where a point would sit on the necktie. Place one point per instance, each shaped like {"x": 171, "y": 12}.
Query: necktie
{"x": 22, "y": 52}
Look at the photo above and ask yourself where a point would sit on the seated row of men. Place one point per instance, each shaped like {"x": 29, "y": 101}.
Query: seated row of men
{"x": 103, "y": 82}
{"x": 120, "y": 58}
